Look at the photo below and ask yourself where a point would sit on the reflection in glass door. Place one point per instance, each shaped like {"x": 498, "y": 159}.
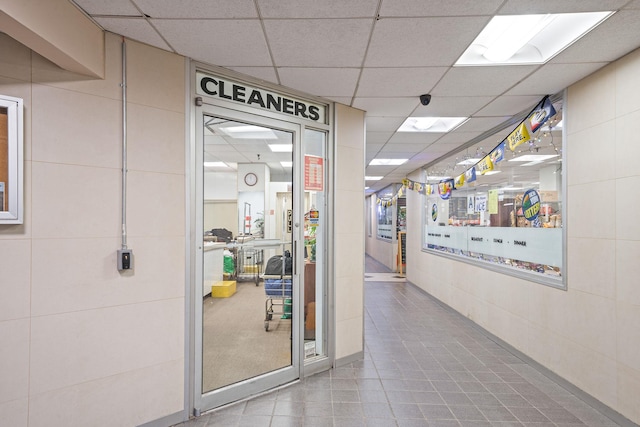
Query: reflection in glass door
{"x": 248, "y": 311}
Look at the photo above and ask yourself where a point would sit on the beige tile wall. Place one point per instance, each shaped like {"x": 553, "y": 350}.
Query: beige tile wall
{"x": 589, "y": 334}
{"x": 79, "y": 338}
{"x": 349, "y": 232}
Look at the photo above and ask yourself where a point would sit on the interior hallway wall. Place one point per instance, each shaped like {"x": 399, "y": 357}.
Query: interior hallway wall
{"x": 81, "y": 343}
{"x": 349, "y": 233}
{"x": 382, "y": 251}
{"x": 589, "y": 334}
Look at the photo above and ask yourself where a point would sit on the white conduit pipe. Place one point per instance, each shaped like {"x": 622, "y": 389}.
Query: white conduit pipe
{"x": 124, "y": 144}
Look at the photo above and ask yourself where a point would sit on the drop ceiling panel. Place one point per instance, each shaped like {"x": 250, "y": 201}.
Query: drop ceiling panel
{"x": 210, "y": 41}
{"x": 427, "y": 41}
{"x": 387, "y": 107}
{"x": 263, "y": 73}
{"x": 553, "y": 78}
{"x": 303, "y": 51}
{"x": 112, "y": 7}
{"x": 506, "y": 106}
{"x": 483, "y": 123}
{"x": 317, "y": 9}
{"x": 415, "y": 138}
{"x": 198, "y": 9}
{"x": 321, "y": 81}
{"x": 383, "y": 124}
{"x": 439, "y": 8}
{"x": 481, "y": 81}
{"x": 455, "y": 138}
{"x": 378, "y": 137}
{"x": 452, "y": 106}
{"x": 137, "y": 29}
{"x": 393, "y": 82}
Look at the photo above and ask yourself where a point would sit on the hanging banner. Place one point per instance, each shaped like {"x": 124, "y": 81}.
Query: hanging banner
{"x": 445, "y": 188}
{"x": 497, "y": 155}
{"x": 485, "y": 165}
{"x": 459, "y": 182}
{"x": 542, "y": 114}
{"x": 519, "y": 136}
{"x": 470, "y": 175}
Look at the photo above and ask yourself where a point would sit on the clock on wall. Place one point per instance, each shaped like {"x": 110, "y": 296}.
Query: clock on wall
{"x": 251, "y": 179}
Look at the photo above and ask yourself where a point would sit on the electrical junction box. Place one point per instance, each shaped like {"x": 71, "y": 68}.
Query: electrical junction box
{"x": 125, "y": 259}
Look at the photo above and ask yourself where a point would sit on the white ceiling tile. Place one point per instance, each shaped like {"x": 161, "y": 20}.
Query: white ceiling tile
{"x": 383, "y": 124}
{"x": 198, "y": 9}
{"x": 209, "y": 41}
{"x": 509, "y": 105}
{"x": 344, "y": 100}
{"x": 412, "y": 138}
{"x": 419, "y": 42}
{"x": 303, "y": 50}
{"x": 378, "y": 137}
{"x": 521, "y": 7}
{"x": 483, "y": 123}
{"x": 439, "y": 8}
{"x": 263, "y": 73}
{"x": 112, "y": 7}
{"x": 387, "y": 107}
{"x": 409, "y": 81}
{"x": 552, "y": 78}
{"x": 321, "y": 81}
{"x": 452, "y": 106}
{"x": 317, "y": 9}
{"x": 455, "y": 138}
{"x": 135, "y": 28}
{"x": 635, "y": 4}
{"x": 481, "y": 81}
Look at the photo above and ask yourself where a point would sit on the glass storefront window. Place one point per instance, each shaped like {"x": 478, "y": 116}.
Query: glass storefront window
{"x": 502, "y": 205}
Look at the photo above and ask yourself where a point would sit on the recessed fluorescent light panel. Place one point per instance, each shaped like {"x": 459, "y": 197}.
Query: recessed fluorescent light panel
{"x": 491, "y": 172}
{"x": 281, "y": 148}
{"x": 249, "y": 132}
{"x": 431, "y": 124}
{"x": 437, "y": 178}
{"x": 286, "y": 164}
{"x": 373, "y": 178}
{"x": 528, "y": 39}
{"x": 534, "y": 158}
{"x": 387, "y": 162}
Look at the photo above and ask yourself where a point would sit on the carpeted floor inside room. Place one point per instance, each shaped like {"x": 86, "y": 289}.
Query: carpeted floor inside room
{"x": 236, "y": 345}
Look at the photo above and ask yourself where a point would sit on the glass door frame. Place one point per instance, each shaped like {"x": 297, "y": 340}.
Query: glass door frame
{"x": 255, "y": 385}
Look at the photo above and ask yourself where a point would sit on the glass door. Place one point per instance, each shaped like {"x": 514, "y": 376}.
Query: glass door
{"x": 247, "y": 234}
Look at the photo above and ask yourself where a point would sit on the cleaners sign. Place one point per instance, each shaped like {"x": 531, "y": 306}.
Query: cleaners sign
{"x": 233, "y": 91}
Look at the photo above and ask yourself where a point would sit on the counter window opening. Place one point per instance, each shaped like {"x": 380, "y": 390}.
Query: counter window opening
{"x": 499, "y": 202}
{"x": 11, "y": 158}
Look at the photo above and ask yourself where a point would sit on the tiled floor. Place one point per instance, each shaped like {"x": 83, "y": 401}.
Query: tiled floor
{"x": 424, "y": 365}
